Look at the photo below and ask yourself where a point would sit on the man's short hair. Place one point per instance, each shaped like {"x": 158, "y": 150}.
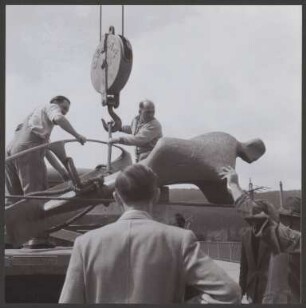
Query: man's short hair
{"x": 136, "y": 183}
{"x": 59, "y": 99}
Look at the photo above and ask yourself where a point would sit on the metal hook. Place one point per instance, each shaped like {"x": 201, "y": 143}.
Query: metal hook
{"x": 116, "y": 124}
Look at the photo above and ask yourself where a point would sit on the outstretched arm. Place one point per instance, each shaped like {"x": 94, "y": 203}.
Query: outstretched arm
{"x": 245, "y": 206}
{"x": 65, "y": 125}
{"x": 126, "y": 129}
{"x": 233, "y": 186}
{"x": 149, "y": 132}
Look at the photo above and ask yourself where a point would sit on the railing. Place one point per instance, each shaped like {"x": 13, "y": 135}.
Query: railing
{"x": 225, "y": 251}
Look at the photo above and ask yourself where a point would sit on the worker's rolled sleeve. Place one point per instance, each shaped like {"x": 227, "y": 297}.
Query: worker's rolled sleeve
{"x": 126, "y": 129}
{"x": 53, "y": 111}
{"x": 147, "y": 133}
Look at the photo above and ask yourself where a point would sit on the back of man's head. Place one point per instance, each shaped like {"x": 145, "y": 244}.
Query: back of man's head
{"x": 136, "y": 183}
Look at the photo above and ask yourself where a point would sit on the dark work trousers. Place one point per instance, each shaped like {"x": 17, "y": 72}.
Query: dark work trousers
{"x": 28, "y": 173}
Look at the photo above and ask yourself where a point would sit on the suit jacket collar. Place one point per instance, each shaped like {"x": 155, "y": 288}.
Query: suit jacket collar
{"x": 135, "y": 214}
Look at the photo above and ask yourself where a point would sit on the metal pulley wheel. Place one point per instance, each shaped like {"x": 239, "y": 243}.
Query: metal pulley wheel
{"x": 112, "y": 64}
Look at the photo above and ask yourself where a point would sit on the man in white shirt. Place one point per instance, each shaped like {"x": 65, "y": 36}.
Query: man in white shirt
{"x": 145, "y": 131}
{"x": 28, "y": 173}
{"x": 139, "y": 260}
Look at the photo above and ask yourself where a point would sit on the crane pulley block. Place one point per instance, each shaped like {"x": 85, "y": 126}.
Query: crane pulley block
{"x": 111, "y": 65}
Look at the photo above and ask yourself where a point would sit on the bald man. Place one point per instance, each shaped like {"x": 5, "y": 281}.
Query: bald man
{"x": 144, "y": 131}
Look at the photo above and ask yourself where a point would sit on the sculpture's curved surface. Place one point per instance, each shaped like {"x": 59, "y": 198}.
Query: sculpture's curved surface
{"x": 198, "y": 161}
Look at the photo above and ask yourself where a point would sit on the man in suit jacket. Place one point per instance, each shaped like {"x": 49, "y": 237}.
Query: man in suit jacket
{"x": 139, "y": 260}
{"x": 254, "y": 265}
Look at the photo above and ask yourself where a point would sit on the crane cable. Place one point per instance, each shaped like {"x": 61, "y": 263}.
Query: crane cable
{"x": 122, "y": 20}
{"x": 106, "y": 79}
{"x": 100, "y": 24}
{"x": 100, "y": 21}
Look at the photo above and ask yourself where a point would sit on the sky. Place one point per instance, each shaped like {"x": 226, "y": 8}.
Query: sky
{"x": 235, "y": 69}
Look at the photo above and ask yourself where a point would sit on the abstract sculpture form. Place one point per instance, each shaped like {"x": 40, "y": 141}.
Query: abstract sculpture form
{"x": 198, "y": 161}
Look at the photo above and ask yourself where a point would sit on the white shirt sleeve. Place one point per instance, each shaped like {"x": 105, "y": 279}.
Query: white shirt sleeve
{"x": 53, "y": 110}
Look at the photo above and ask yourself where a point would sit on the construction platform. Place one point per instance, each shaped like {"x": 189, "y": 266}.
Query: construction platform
{"x": 37, "y": 275}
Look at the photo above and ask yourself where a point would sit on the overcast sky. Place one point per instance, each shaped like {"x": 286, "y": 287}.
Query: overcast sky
{"x": 235, "y": 69}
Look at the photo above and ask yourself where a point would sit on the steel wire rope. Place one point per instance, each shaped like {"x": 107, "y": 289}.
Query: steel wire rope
{"x": 42, "y": 146}
{"x": 122, "y": 20}
{"x": 100, "y": 23}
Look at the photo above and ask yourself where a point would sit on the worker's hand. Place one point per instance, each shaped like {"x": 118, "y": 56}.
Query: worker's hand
{"x": 230, "y": 175}
{"x": 114, "y": 140}
{"x": 81, "y": 139}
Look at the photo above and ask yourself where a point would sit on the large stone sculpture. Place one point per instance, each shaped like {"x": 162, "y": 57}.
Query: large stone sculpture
{"x": 198, "y": 161}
